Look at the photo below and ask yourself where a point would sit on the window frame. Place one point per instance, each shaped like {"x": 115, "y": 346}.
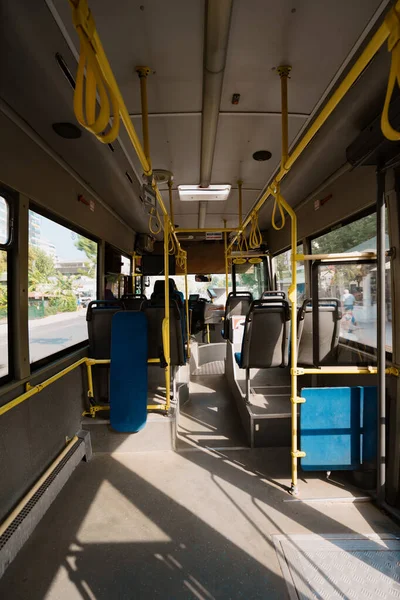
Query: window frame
{"x": 348, "y": 221}
{"x": 11, "y": 197}
{"x": 43, "y": 212}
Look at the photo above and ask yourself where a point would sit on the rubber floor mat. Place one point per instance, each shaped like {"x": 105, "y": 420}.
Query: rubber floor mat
{"x": 349, "y": 567}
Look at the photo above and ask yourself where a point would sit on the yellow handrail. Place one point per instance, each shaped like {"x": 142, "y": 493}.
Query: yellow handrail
{"x": 376, "y": 42}
{"x": 392, "y": 22}
{"x": 100, "y": 77}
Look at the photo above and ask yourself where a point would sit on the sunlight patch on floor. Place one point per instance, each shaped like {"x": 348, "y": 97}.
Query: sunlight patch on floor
{"x": 114, "y": 518}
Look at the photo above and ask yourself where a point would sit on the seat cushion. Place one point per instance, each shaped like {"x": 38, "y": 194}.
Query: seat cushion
{"x": 238, "y": 358}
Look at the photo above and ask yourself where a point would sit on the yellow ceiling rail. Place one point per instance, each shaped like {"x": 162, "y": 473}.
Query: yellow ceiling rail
{"x": 99, "y": 77}
{"x": 375, "y": 43}
{"x": 392, "y": 22}
{"x": 240, "y": 185}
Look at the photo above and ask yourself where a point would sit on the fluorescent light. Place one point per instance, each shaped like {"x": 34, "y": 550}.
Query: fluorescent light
{"x": 195, "y": 193}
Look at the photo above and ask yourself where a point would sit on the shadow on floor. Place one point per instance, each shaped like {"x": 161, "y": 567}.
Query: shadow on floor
{"x": 190, "y": 526}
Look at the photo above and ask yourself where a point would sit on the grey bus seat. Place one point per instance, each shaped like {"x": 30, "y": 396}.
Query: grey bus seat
{"x": 273, "y": 294}
{"x": 266, "y": 337}
{"x": 133, "y": 301}
{"x": 329, "y": 316}
{"x": 158, "y": 296}
{"x": 99, "y": 316}
{"x": 155, "y": 313}
{"x": 237, "y": 304}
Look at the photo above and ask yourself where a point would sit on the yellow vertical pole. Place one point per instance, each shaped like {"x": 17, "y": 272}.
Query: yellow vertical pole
{"x": 226, "y": 260}
{"x": 171, "y": 206}
{"x": 240, "y": 183}
{"x": 283, "y": 72}
{"x": 208, "y": 333}
{"x": 165, "y": 325}
{"x": 187, "y": 309}
{"x": 90, "y": 381}
{"x": 143, "y": 72}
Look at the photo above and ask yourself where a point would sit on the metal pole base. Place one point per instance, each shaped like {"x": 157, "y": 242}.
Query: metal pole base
{"x": 294, "y": 490}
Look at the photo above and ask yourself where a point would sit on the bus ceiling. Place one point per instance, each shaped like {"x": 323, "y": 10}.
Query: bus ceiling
{"x": 213, "y": 95}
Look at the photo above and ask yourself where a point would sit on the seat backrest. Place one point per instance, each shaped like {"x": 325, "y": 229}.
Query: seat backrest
{"x": 133, "y": 301}
{"x": 99, "y": 315}
{"x": 329, "y": 316}
{"x": 271, "y": 294}
{"x": 155, "y": 313}
{"x": 158, "y": 296}
{"x": 237, "y": 304}
{"x": 266, "y": 335}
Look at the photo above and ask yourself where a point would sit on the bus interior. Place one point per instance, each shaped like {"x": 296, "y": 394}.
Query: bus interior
{"x": 199, "y": 284}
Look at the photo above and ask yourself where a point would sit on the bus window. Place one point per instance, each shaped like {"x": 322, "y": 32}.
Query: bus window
{"x": 4, "y": 333}
{"x": 217, "y": 283}
{"x": 4, "y": 351}
{"x": 250, "y": 278}
{"x": 283, "y": 271}
{"x": 126, "y": 268}
{"x": 62, "y": 271}
{"x": 355, "y": 284}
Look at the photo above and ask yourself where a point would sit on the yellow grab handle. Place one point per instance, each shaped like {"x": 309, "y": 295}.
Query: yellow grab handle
{"x": 278, "y": 204}
{"x": 392, "y": 22}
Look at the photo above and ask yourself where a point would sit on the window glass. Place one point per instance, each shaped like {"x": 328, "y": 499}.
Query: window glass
{"x": 4, "y": 221}
{"x": 62, "y": 272}
{"x": 126, "y": 265}
{"x": 217, "y": 284}
{"x": 250, "y": 278}
{"x": 354, "y": 283}
{"x": 283, "y": 271}
{"x": 4, "y": 364}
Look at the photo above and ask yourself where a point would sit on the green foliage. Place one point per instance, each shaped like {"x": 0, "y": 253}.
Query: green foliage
{"x": 3, "y": 261}
{"x": 347, "y": 237}
{"x": 40, "y": 268}
{"x": 62, "y": 303}
{"x": 90, "y": 249}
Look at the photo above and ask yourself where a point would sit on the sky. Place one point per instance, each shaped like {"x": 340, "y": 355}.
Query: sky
{"x": 62, "y": 238}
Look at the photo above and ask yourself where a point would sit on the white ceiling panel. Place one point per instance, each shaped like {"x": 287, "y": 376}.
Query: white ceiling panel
{"x": 166, "y": 36}
{"x": 238, "y": 138}
{"x": 175, "y": 145}
{"x": 313, "y": 36}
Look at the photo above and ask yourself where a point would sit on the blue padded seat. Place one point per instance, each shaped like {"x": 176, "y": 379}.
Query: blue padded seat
{"x": 238, "y": 358}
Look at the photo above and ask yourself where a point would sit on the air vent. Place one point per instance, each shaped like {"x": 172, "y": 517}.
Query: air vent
{"x": 25, "y": 521}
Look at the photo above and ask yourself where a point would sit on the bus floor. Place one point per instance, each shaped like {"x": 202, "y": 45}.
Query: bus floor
{"x": 196, "y": 524}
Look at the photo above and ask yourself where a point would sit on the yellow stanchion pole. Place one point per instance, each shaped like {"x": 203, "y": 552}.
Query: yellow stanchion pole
{"x": 171, "y": 205}
{"x": 165, "y": 325}
{"x": 240, "y": 184}
{"x": 187, "y": 309}
{"x": 292, "y": 293}
{"x": 226, "y": 260}
{"x": 143, "y": 73}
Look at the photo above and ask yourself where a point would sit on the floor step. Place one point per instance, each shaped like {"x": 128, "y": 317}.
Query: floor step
{"x": 158, "y": 435}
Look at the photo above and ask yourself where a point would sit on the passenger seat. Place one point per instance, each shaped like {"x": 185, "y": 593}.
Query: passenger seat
{"x": 266, "y": 337}
{"x": 329, "y": 315}
{"x": 133, "y": 301}
{"x": 155, "y": 313}
{"x": 237, "y": 304}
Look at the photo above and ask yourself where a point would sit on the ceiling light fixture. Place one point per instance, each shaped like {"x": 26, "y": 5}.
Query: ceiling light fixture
{"x": 195, "y": 193}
